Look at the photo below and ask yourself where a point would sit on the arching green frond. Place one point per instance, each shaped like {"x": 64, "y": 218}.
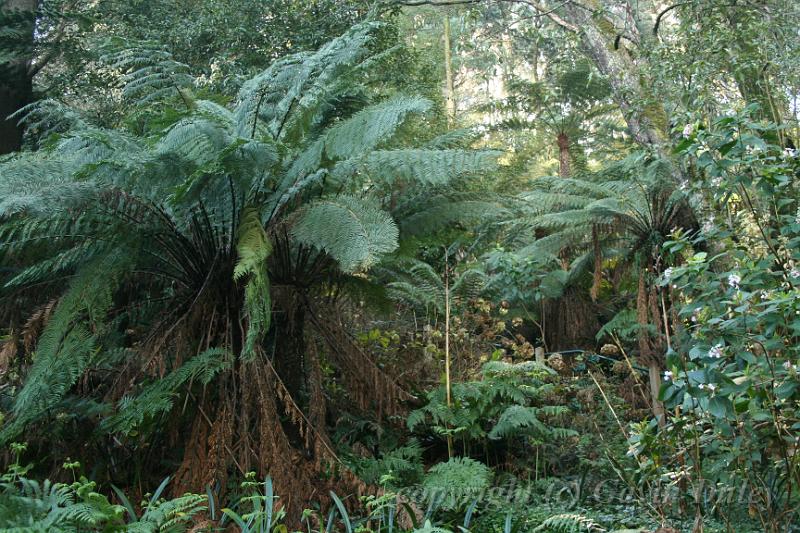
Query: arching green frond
{"x": 517, "y": 419}
{"x": 40, "y": 185}
{"x": 429, "y": 212}
{"x": 158, "y": 397}
{"x": 427, "y": 167}
{"x": 355, "y": 232}
{"x": 197, "y": 140}
{"x": 150, "y": 73}
{"x": 371, "y": 126}
{"x": 286, "y": 97}
{"x": 66, "y": 346}
{"x": 469, "y": 284}
{"x": 460, "y": 138}
{"x": 49, "y": 116}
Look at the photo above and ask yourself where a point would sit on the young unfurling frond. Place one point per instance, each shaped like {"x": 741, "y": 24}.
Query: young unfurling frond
{"x": 253, "y": 248}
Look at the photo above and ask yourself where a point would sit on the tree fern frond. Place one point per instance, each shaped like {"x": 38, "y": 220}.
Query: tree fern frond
{"x": 66, "y": 346}
{"x": 368, "y": 128}
{"x": 286, "y": 97}
{"x": 427, "y": 167}
{"x": 149, "y": 73}
{"x": 254, "y": 248}
{"x": 454, "y": 139}
{"x": 158, "y": 397}
{"x": 355, "y": 232}
{"x": 567, "y": 523}
{"x": 47, "y": 116}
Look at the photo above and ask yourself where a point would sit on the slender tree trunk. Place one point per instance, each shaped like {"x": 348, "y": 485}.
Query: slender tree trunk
{"x": 450, "y": 97}
{"x": 646, "y": 351}
{"x": 447, "y": 346}
{"x": 16, "y": 84}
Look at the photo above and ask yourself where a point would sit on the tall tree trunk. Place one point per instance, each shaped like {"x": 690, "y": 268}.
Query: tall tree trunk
{"x": 450, "y": 97}
{"x": 16, "y": 86}
{"x": 600, "y": 40}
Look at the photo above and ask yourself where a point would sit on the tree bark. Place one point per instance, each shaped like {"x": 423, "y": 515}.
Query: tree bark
{"x": 16, "y": 83}
{"x": 646, "y": 350}
{"x": 450, "y": 97}
{"x": 563, "y": 155}
{"x": 600, "y": 40}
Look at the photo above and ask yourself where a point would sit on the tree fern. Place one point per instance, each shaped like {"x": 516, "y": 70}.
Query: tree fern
{"x": 177, "y": 229}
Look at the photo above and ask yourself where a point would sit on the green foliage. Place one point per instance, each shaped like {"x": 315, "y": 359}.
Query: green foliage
{"x": 635, "y": 203}
{"x": 568, "y": 522}
{"x": 257, "y": 508}
{"x": 455, "y": 483}
{"x": 254, "y": 248}
{"x": 733, "y": 374}
{"x": 422, "y": 289}
{"x": 189, "y": 213}
{"x": 355, "y": 232}
{"x": 506, "y": 403}
{"x": 401, "y": 466}
{"x": 28, "y": 505}
{"x": 68, "y": 344}
{"x": 158, "y": 397}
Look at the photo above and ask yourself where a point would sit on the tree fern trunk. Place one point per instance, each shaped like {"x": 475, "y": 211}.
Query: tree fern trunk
{"x": 290, "y": 344}
{"x": 563, "y": 155}
{"x": 646, "y": 351}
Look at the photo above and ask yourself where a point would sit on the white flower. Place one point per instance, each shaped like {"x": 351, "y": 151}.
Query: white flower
{"x": 789, "y": 152}
{"x": 668, "y": 274}
{"x": 764, "y": 295}
{"x": 667, "y": 375}
{"x": 687, "y": 130}
{"x": 734, "y": 280}
{"x": 701, "y": 386}
{"x": 716, "y": 351}
{"x": 795, "y": 273}
{"x": 711, "y": 387}
{"x": 787, "y": 365}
